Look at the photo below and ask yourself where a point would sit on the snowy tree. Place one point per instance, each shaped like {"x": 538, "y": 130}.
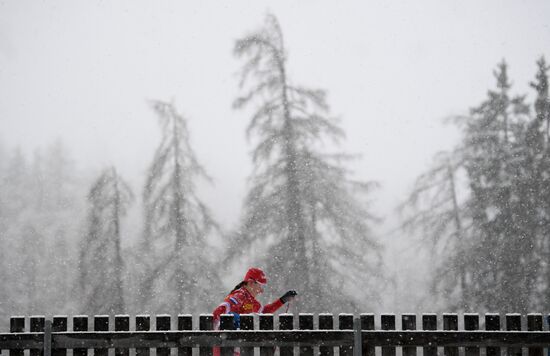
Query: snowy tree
{"x": 535, "y": 182}
{"x": 3, "y": 232}
{"x": 100, "y": 264}
{"x": 435, "y": 209}
{"x": 56, "y": 211}
{"x": 491, "y": 140}
{"x": 493, "y": 239}
{"x": 40, "y": 215}
{"x": 15, "y": 196}
{"x": 542, "y": 102}
{"x": 177, "y": 274}
{"x": 304, "y": 221}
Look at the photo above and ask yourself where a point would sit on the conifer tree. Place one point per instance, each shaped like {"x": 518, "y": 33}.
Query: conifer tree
{"x": 490, "y": 140}
{"x": 177, "y": 274}
{"x": 14, "y": 197}
{"x": 57, "y": 209}
{"x": 435, "y": 209}
{"x": 535, "y": 182}
{"x": 304, "y": 215}
{"x": 39, "y": 214}
{"x": 101, "y": 265}
{"x": 492, "y": 253}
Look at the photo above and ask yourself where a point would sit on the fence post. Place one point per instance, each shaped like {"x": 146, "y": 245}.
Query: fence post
{"x": 305, "y": 322}
{"x": 80, "y": 323}
{"x": 450, "y": 322}
{"x": 286, "y": 322}
{"x": 59, "y": 324}
{"x": 492, "y": 323}
{"x": 547, "y": 317}
{"x": 122, "y": 323}
{"x": 513, "y": 323}
{"x": 429, "y": 322}
{"x": 205, "y": 323}
{"x": 345, "y": 322}
{"x": 326, "y": 322}
{"x": 471, "y": 322}
{"x": 367, "y": 323}
{"x": 37, "y": 325}
{"x": 17, "y": 325}
{"x": 185, "y": 322}
{"x": 534, "y": 323}
{"x": 163, "y": 324}
{"x": 266, "y": 323}
{"x": 387, "y": 322}
{"x": 101, "y": 323}
{"x": 408, "y": 322}
{"x": 227, "y": 323}
{"x": 48, "y": 338}
{"x": 247, "y": 323}
{"x": 143, "y": 323}
{"x": 357, "y": 338}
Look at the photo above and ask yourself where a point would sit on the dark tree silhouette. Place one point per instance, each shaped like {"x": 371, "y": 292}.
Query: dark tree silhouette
{"x": 304, "y": 216}
{"x": 177, "y": 271}
{"x": 100, "y": 265}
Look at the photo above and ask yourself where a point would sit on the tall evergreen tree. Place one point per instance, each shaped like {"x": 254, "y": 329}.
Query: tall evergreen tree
{"x": 3, "y": 232}
{"x": 101, "y": 265}
{"x": 14, "y": 198}
{"x": 36, "y": 224}
{"x": 304, "y": 220}
{"x": 436, "y": 210}
{"x": 542, "y": 101}
{"x": 499, "y": 247}
{"x": 177, "y": 223}
{"x": 56, "y": 210}
{"x": 535, "y": 182}
{"x": 490, "y": 139}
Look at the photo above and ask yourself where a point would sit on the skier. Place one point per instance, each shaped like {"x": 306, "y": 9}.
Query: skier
{"x": 242, "y": 300}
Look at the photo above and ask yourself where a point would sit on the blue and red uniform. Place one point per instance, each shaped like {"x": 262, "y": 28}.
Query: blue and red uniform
{"x": 241, "y": 301}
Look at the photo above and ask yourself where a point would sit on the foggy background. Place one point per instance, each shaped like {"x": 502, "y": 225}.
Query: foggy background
{"x": 81, "y": 74}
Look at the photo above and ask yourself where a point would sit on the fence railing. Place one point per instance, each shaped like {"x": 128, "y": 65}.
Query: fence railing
{"x": 354, "y": 335}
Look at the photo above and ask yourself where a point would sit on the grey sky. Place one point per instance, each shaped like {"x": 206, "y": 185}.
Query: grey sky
{"x": 82, "y": 71}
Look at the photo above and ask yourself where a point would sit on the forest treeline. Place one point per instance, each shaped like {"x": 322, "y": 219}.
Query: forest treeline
{"x": 482, "y": 210}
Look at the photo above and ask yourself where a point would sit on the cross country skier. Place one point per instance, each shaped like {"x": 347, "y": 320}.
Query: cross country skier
{"x": 242, "y": 300}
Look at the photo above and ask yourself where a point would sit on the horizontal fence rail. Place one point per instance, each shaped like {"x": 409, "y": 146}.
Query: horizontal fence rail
{"x": 352, "y": 335}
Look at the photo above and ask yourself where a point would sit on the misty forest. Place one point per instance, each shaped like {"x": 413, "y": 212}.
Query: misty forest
{"x": 481, "y": 211}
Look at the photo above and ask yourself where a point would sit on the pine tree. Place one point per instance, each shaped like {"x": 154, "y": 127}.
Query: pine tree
{"x": 56, "y": 211}
{"x": 435, "y": 210}
{"x": 3, "y": 232}
{"x": 36, "y": 226}
{"x": 16, "y": 197}
{"x": 304, "y": 218}
{"x": 491, "y": 141}
{"x": 177, "y": 273}
{"x": 535, "y": 183}
{"x": 493, "y": 238}
{"x": 101, "y": 265}
{"x": 542, "y": 102}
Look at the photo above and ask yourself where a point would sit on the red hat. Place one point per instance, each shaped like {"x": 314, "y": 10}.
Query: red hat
{"x": 255, "y": 274}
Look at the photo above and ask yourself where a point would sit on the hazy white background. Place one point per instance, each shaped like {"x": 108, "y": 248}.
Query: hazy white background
{"x": 81, "y": 71}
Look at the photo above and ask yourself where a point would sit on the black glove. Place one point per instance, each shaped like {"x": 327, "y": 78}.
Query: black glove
{"x": 288, "y": 296}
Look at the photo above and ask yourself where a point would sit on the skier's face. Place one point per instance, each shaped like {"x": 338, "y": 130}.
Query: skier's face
{"x": 255, "y": 288}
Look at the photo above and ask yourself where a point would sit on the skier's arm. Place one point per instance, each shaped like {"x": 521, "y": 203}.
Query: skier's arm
{"x": 233, "y": 302}
{"x": 271, "y": 308}
{"x": 223, "y": 308}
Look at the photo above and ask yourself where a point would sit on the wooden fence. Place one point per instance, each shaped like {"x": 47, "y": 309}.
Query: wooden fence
{"x": 345, "y": 335}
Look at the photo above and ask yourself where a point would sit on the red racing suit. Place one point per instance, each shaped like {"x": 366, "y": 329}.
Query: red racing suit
{"x": 241, "y": 302}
